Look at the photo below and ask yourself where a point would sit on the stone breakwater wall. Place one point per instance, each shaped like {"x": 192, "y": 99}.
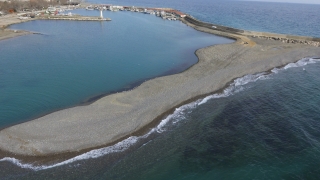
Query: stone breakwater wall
{"x": 296, "y": 40}
{"x": 216, "y": 27}
{"x": 262, "y": 35}
{"x": 75, "y": 18}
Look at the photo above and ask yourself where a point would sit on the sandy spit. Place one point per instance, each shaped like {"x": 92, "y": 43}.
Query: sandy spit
{"x": 115, "y": 116}
{"x": 7, "y": 20}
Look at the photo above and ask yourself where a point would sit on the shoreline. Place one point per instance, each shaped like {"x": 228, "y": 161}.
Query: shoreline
{"x": 8, "y": 20}
{"x": 53, "y": 159}
{"x": 217, "y": 63}
{"x": 8, "y": 34}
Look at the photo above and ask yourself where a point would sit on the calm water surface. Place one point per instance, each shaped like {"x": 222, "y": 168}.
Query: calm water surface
{"x": 74, "y": 61}
{"x": 266, "y": 128}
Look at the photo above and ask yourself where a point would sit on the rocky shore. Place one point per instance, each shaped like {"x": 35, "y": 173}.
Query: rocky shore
{"x": 290, "y": 39}
{"x": 117, "y": 116}
{"x": 315, "y": 43}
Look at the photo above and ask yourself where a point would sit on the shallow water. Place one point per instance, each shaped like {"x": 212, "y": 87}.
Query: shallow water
{"x": 262, "y": 127}
{"x": 74, "y": 61}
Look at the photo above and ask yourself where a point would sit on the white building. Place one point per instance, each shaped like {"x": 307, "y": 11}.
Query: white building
{"x": 116, "y": 7}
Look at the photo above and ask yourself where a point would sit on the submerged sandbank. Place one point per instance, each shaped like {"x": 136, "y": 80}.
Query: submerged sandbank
{"x": 118, "y": 115}
{"x": 7, "y": 20}
{"x": 7, "y": 34}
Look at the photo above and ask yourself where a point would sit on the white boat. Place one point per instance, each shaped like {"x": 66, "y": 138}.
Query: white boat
{"x": 51, "y": 9}
{"x": 22, "y": 18}
{"x": 89, "y": 8}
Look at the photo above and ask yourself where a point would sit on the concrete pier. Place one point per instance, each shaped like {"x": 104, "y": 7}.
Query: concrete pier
{"x": 75, "y": 18}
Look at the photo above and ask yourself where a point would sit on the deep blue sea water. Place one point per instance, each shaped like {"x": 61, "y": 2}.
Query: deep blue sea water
{"x": 264, "y": 126}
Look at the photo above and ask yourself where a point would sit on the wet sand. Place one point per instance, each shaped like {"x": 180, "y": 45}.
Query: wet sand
{"x": 7, "y": 20}
{"x": 7, "y": 33}
{"x": 116, "y": 116}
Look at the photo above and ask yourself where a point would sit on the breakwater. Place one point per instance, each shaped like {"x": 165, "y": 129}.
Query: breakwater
{"x": 290, "y": 39}
{"x": 74, "y": 18}
{"x": 117, "y": 116}
{"x": 216, "y": 27}
{"x": 262, "y": 35}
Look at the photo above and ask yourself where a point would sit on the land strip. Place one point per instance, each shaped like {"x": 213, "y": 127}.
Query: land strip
{"x": 246, "y": 35}
{"x": 117, "y": 116}
{"x": 10, "y": 19}
{"x": 7, "y": 20}
{"x": 74, "y": 18}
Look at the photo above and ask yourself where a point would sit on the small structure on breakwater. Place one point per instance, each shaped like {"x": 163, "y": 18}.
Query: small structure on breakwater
{"x": 101, "y": 15}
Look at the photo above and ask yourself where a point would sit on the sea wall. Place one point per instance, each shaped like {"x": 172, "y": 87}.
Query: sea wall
{"x": 118, "y": 116}
{"x": 216, "y": 27}
{"x": 290, "y": 39}
{"x": 74, "y": 18}
{"x": 262, "y": 35}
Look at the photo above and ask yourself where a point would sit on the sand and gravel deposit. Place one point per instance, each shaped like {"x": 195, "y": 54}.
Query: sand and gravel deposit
{"x": 8, "y": 20}
{"x": 118, "y": 115}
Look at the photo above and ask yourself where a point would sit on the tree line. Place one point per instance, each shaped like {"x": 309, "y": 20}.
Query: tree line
{"x": 18, "y": 5}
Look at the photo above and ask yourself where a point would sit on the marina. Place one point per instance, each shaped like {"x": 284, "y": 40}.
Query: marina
{"x": 164, "y": 13}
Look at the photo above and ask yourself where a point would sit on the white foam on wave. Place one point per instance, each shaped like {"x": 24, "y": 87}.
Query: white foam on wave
{"x": 300, "y": 63}
{"x": 178, "y": 115}
{"x": 119, "y": 147}
{"x": 96, "y": 153}
{"x": 236, "y": 86}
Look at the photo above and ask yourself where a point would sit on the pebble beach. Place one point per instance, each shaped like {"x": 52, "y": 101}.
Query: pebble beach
{"x": 117, "y": 116}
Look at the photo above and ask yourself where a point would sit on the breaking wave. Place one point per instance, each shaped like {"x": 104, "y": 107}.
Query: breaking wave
{"x": 179, "y": 114}
{"x": 300, "y": 63}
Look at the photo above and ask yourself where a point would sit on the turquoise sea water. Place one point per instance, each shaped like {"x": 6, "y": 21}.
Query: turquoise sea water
{"x": 74, "y": 61}
{"x": 265, "y": 126}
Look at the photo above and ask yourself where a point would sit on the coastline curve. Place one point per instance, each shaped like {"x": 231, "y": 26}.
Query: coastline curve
{"x": 116, "y": 116}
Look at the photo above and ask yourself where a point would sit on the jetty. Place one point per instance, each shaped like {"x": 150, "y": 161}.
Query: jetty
{"x": 245, "y": 34}
{"x": 115, "y": 117}
{"x": 74, "y": 18}
{"x": 173, "y": 14}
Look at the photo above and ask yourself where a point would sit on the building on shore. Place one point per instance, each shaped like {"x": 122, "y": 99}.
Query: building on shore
{"x": 177, "y": 13}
